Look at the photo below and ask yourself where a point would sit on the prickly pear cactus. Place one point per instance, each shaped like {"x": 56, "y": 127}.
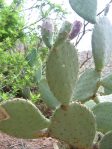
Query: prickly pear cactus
{"x": 103, "y": 114}
{"x": 101, "y": 43}
{"x": 87, "y": 85}
{"x": 26, "y": 92}
{"x": 90, "y": 104}
{"x": 63, "y": 33}
{"x": 62, "y": 71}
{"x": 85, "y": 8}
{"x": 106, "y": 82}
{"x": 73, "y": 118}
{"x": 80, "y": 112}
{"x": 32, "y": 57}
{"x": 106, "y": 142}
{"x": 21, "y": 119}
{"x": 47, "y": 32}
{"x": 47, "y": 95}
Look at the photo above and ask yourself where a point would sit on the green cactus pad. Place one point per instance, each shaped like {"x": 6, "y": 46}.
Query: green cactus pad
{"x": 107, "y": 81}
{"x": 74, "y": 124}
{"x": 32, "y": 57}
{"x": 87, "y": 85}
{"x": 21, "y": 119}
{"x": 106, "y": 142}
{"x": 107, "y": 91}
{"x": 62, "y": 71}
{"x": 103, "y": 114}
{"x": 26, "y": 93}
{"x": 47, "y": 95}
{"x": 63, "y": 33}
{"x": 87, "y": 9}
{"x": 47, "y": 30}
{"x": 90, "y": 104}
{"x": 38, "y": 75}
{"x": 107, "y": 84}
{"x": 101, "y": 42}
{"x": 47, "y": 38}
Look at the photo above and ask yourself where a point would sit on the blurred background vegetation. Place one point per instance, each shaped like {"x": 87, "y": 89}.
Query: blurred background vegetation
{"x": 22, "y": 51}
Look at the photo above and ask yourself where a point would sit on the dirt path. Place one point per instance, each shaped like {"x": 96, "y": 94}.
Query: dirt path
{"x": 7, "y": 142}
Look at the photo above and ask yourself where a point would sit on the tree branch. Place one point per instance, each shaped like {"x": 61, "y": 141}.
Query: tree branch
{"x": 86, "y": 60}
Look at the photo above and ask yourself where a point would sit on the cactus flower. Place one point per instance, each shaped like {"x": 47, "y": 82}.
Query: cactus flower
{"x": 76, "y": 27}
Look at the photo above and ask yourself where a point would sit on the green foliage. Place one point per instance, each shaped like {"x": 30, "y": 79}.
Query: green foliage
{"x": 11, "y": 24}
{"x": 21, "y": 72}
{"x": 15, "y": 74}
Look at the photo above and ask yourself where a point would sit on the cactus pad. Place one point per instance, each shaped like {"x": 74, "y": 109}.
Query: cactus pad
{"x": 107, "y": 91}
{"x": 87, "y": 85}
{"x": 32, "y": 57}
{"x": 85, "y": 8}
{"x": 47, "y": 95}
{"x": 47, "y": 32}
{"x": 38, "y": 74}
{"x": 62, "y": 71}
{"x": 74, "y": 124}
{"x": 103, "y": 114}
{"x": 106, "y": 142}
{"x": 107, "y": 84}
{"x": 107, "y": 81}
{"x": 63, "y": 33}
{"x": 90, "y": 104}
{"x": 101, "y": 42}
{"x": 21, "y": 119}
{"x": 26, "y": 93}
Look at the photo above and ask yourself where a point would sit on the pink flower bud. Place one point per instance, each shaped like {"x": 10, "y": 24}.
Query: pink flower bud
{"x": 75, "y": 29}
